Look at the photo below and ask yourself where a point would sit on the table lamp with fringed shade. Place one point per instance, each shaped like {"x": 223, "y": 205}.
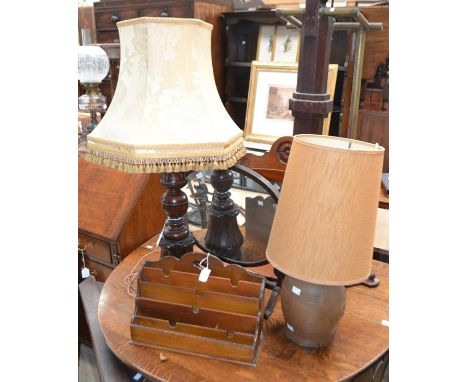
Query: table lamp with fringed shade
{"x": 166, "y": 115}
{"x": 323, "y": 231}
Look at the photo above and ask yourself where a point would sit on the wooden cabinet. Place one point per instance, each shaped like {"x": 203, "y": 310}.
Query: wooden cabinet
{"x": 116, "y": 213}
{"x": 108, "y": 13}
{"x": 241, "y": 28}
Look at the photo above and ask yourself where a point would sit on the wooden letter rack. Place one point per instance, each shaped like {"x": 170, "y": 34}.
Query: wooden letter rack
{"x": 220, "y": 318}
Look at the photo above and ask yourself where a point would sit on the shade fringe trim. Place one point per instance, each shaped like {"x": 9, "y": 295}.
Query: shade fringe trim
{"x": 159, "y": 165}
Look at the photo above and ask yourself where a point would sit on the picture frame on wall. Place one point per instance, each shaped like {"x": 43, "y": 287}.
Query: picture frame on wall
{"x": 271, "y": 86}
{"x": 286, "y": 46}
{"x": 266, "y": 42}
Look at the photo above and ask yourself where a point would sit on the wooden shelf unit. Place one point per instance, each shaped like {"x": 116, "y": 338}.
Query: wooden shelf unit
{"x": 242, "y": 28}
{"x": 220, "y": 318}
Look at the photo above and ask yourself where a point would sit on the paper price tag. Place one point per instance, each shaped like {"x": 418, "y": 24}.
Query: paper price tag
{"x": 159, "y": 239}
{"x": 199, "y": 175}
{"x": 85, "y": 272}
{"x": 260, "y": 202}
{"x": 204, "y": 274}
{"x": 385, "y": 323}
{"x": 296, "y": 290}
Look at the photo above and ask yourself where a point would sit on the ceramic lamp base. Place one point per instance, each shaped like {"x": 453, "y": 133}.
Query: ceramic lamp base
{"x": 311, "y": 311}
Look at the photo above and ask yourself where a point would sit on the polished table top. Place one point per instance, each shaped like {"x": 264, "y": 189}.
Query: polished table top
{"x": 361, "y": 337}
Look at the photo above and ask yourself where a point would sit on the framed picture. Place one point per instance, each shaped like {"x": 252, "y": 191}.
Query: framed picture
{"x": 268, "y": 116}
{"x": 266, "y": 41}
{"x": 286, "y": 46}
{"x": 271, "y": 85}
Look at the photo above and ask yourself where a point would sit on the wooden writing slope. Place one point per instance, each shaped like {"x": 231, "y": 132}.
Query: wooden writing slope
{"x": 220, "y": 318}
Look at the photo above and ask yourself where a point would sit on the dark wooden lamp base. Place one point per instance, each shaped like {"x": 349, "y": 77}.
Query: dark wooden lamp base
{"x": 223, "y": 236}
{"x": 176, "y": 239}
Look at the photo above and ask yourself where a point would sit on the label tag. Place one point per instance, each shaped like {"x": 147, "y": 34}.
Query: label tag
{"x": 85, "y": 272}
{"x": 290, "y": 327}
{"x": 260, "y": 202}
{"x": 159, "y": 238}
{"x": 204, "y": 274}
{"x": 199, "y": 175}
{"x": 385, "y": 323}
{"x": 296, "y": 290}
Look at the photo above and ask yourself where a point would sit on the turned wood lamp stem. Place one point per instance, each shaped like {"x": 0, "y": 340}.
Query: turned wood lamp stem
{"x": 223, "y": 236}
{"x": 177, "y": 239}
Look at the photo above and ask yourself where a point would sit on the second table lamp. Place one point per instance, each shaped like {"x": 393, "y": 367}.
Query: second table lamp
{"x": 323, "y": 231}
{"x": 166, "y": 116}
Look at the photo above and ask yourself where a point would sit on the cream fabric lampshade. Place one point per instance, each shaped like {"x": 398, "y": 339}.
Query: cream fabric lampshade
{"x": 166, "y": 114}
{"x": 323, "y": 230}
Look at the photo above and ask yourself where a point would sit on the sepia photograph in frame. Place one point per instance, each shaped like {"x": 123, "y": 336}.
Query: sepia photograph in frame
{"x": 286, "y": 44}
{"x": 266, "y": 42}
{"x": 271, "y": 85}
{"x": 268, "y": 116}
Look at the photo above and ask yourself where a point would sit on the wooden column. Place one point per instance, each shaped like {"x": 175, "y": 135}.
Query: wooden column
{"x": 223, "y": 235}
{"x": 177, "y": 239}
{"x": 310, "y": 103}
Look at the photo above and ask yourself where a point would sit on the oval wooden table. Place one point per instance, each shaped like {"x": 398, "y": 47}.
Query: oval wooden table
{"x": 361, "y": 338}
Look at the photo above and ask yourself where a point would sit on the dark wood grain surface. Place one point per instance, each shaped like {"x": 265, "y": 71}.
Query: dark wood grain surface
{"x": 361, "y": 338}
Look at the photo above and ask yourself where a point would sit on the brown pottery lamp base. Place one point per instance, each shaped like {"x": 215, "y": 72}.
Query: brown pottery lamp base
{"x": 311, "y": 311}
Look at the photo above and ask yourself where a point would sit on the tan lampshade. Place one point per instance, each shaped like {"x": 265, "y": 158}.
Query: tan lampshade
{"x": 323, "y": 230}
{"x": 166, "y": 114}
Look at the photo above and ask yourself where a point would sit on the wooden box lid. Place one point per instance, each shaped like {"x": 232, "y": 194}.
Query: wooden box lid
{"x": 106, "y": 198}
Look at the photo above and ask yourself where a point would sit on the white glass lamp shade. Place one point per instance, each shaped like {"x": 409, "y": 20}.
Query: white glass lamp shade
{"x": 93, "y": 64}
{"x": 166, "y": 114}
